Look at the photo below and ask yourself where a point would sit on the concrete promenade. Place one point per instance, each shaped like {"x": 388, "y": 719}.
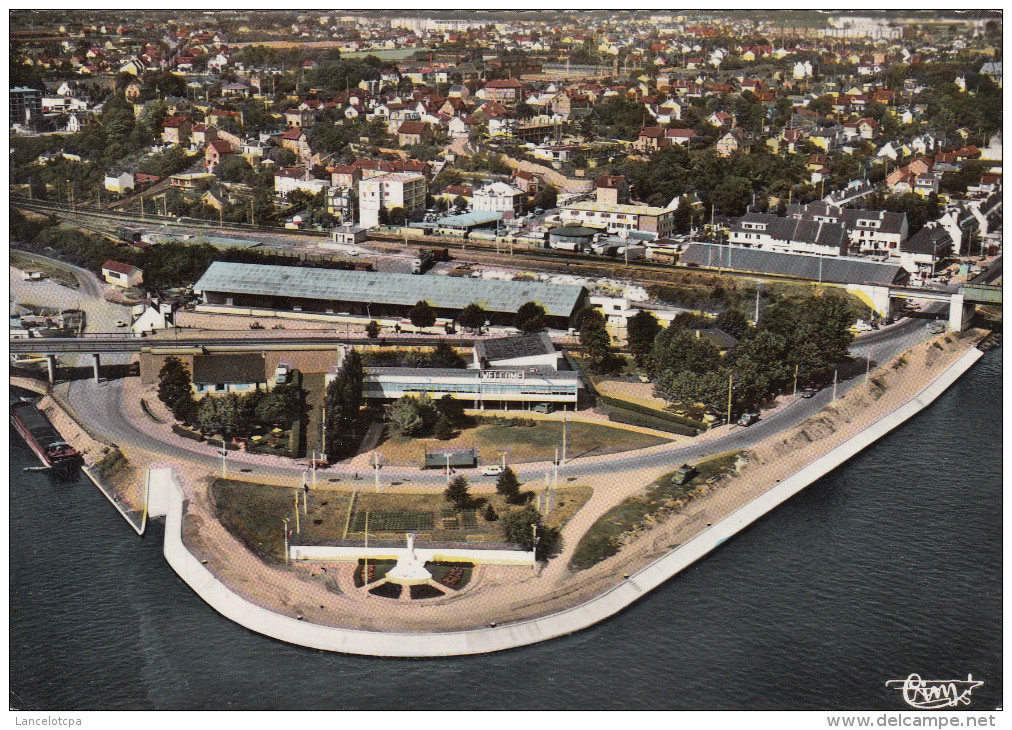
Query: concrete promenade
{"x": 166, "y": 497}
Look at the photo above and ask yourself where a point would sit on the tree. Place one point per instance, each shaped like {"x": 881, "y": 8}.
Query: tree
{"x": 509, "y": 486}
{"x": 422, "y": 315}
{"x": 273, "y": 408}
{"x": 642, "y": 331}
{"x": 456, "y": 493}
{"x": 734, "y": 322}
{"x": 490, "y": 514}
{"x": 677, "y": 349}
{"x": 343, "y": 402}
{"x": 450, "y": 408}
{"x": 520, "y": 527}
{"x": 405, "y": 416}
{"x": 594, "y": 338}
{"x": 372, "y": 329}
{"x": 174, "y": 388}
{"x": 531, "y": 317}
{"x": 443, "y": 429}
{"x": 444, "y": 356}
{"x": 472, "y": 316}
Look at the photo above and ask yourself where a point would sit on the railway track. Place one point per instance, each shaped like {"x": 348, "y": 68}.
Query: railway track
{"x": 470, "y": 251}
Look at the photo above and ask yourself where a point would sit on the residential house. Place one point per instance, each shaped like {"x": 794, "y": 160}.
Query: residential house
{"x": 789, "y": 235}
{"x": 612, "y": 189}
{"x": 232, "y": 373}
{"x": 498, "y": 197}
{"x": 122, "y": 275}
{"x": 731, "y": 143}
{"x": 411, "y": 133}
{"x": 215, "y": 153}
{"x": 176, "y": 129}
{"x": 119, "y": 181}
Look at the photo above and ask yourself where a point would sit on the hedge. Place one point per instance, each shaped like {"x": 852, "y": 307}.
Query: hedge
{"x": 652, "y": 412}
{"x": 186, "y": 433}
{"x": 620, "y": 415}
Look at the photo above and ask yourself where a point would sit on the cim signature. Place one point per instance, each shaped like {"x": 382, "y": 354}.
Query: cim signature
{"x": 934, "y": 694}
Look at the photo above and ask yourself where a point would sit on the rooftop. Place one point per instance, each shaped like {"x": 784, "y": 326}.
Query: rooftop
{"x": 617, "y": 208}
{"x": 509, "y": 348}
{"x": 838, "y": 269}
{"x": 444, "y": 292}
{"x": 231, "y": 368}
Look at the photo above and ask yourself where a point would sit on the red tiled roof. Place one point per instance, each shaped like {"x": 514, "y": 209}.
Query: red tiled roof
{"x": 119, "y": 268}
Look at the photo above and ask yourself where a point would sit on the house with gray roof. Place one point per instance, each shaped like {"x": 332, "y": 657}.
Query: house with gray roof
{"x": 789, "y": 235}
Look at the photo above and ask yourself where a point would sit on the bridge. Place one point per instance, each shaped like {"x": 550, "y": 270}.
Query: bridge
{"x": 98, "y": 344}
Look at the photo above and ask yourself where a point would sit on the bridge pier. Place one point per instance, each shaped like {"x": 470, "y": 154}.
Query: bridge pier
{"x": 96, "y": 364}
{"x": 960, "y": 312}
{"x": 51, "y": 368}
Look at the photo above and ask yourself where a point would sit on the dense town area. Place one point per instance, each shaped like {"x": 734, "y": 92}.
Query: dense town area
{"x": 560, "y": 286}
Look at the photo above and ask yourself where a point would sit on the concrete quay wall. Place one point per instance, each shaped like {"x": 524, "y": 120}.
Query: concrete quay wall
{"x": 167, "y": 498}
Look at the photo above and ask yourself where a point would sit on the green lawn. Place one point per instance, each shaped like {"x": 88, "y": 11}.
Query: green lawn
{"x": 522, "y": 443}
{"x": 661, "y": 497}
{"x": 255, "y": 512}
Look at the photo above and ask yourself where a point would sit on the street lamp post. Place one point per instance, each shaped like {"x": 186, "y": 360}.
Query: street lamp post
{"x": 285, "y": 535}
{"x": 834, "y": 384}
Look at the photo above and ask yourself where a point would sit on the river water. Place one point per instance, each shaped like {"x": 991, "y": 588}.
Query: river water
{"x": 889, "y": 565}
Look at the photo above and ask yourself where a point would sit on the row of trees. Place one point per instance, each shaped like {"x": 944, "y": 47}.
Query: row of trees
{"x": 418, "y": 416}
{"x": 531, "y": 316}
{"x": 809, "y": 337}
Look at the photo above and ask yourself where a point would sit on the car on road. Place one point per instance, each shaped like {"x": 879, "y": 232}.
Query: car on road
{"x": 492, "y": 471}
{"x": 747, "y": 419}
{"x": 808, "y": 391}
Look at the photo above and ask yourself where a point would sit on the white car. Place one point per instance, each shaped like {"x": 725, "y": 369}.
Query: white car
{"x": 491, "y": 471}
{"x": 120, "y": 323}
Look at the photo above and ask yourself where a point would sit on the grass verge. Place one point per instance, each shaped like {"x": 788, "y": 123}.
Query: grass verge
{"x": 664, "y": 496}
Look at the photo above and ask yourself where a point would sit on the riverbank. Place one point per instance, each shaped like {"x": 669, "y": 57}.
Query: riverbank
{"x": 893, "y": 394}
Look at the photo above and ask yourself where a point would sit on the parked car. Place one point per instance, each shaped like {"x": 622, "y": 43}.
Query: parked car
{"x": 120, "y": 323}
{"x": 747, "y": 419}
{"x": 492, "y": 471}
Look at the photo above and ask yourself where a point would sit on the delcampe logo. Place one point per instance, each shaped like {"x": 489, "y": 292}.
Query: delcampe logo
{"x": 934, "y": 694}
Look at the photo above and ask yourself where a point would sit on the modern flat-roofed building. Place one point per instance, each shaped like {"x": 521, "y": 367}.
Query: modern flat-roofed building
{"x": 616, "y": 217}
{"x": 26, "y": 105}
{"x": 385, "y": 192}
{"x": 508, "y": 373}
{"x": 225, "y": 286}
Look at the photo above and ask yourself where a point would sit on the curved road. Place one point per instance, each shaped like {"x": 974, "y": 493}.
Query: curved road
{"x": 102, "y": 406}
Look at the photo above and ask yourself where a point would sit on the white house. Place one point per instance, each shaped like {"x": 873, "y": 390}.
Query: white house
{"x": 498, "y": 197}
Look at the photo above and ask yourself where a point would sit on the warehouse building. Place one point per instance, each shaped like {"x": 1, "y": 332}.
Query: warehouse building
{"x": 226, "y": 287}
{"x": 830, "y": 269}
